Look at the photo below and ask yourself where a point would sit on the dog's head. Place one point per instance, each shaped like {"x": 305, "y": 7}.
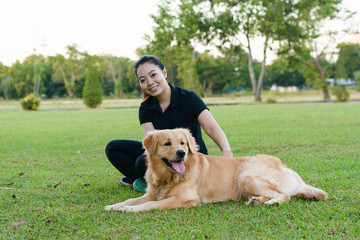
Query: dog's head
{"x": 171, "y": 147}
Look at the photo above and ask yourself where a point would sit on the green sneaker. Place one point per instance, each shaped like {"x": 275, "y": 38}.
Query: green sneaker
{"x": 140, "y": 185}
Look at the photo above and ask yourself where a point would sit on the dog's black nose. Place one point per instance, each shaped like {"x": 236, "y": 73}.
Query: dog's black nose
{"x": 180, "y": 153}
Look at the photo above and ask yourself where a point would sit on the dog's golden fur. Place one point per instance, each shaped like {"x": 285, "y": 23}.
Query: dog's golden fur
{"x": 179, "y": 176}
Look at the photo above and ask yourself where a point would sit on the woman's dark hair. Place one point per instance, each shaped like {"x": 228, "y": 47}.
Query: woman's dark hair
{"x": 148, "y": 58}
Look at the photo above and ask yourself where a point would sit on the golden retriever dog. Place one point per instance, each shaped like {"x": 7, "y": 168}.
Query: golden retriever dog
{"x": 178, "y": 176}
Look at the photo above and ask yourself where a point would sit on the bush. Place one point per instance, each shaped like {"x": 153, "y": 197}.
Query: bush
{"x": 30, "y": 102}
{"x": 341, "y": 93}
{"x": 271, "y": 100}
{"x": 92, "y": 92}
{"x": 357, "y": 80}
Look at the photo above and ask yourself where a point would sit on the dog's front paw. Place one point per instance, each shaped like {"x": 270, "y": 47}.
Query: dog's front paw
{"x": 128, "y": 209}
{"x": 120, "y": 207}
{"x": 114, "y": 207}
{"x": 272, "y": 202}
{"x": 253, "y": 201}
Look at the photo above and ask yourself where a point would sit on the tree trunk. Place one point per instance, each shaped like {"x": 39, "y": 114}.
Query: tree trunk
{"x": 250, "y": 66}
{"x": 102, "y": 81}
{"x": 204, "y": 89}
{"x": 257, "y": 86}
{"x": 117, "y": 80}
{"x": 210, "y": 87}
{"x": 5, "y": 87}
{"x": 69, "y": 91}
{"x": 322, "y": 84}
{"x": 72, "y": 85}
{"x": 37, "y": 77}
{"x": 113, "y": 78}
{"x": 262, "y": 74}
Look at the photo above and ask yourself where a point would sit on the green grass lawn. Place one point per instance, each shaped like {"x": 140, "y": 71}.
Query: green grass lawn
{"x": 56, "y": 180}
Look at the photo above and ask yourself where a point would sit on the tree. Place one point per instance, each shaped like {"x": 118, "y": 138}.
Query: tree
{"x": 92, "y": 92}
{"x": 206, "y": 68}
{"x": 238, "y": 23}
{"x": 40, "y": 69}
{"x": 357, "y": 79}
{"x": 281, "y": 74}
{"x": 234, "y": 68}
{"x": 101, "y": 65}
{"x": 75, "y": 66}
{"x": 171, "y": 43}
{"x": 22, "y": 77}
{"x": 129, "y": 82}
{"x": 227, "y": 23}
{"x": 357, "y": 76}
{"x": 4, "y": 80}
{"x": 117, "y": 68}
{"x": 218, "y": 74}
{"x": 348, "y": 60}
{"x": 307, "y": 41}
{"x": 186, "y": 69}
{"x": 69, "y": 70}
{"x": 293, "y": 24}
{"x": 60, "y": 73}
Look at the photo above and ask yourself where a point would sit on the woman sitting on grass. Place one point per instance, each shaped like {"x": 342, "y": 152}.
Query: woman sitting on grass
{"x": 164, "y": 107}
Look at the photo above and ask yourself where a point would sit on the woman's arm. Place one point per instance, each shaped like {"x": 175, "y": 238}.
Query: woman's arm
{"x": 213, "y": 130}
{"x": 147, "y": 127}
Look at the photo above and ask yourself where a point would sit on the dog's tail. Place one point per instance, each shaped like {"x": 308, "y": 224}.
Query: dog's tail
{"x": 309, "y": 192}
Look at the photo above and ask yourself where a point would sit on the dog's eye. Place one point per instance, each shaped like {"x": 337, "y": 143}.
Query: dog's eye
{"x": 167, "y": 144}
{"x": 182, "y": 143}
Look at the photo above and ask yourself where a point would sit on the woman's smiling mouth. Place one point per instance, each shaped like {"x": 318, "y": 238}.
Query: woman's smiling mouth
{"x": 154, "y": 88}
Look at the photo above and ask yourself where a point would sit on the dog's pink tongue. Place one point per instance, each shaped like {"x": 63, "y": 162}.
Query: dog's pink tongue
{"x": 178, "y": 166}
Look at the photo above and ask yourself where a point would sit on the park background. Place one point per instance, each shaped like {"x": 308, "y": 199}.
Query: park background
{"x": 228, "y": 48}
{"x": 54, "y": 176}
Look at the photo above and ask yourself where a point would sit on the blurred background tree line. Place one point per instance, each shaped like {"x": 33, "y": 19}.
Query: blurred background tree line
{"x": 225, "y": 30}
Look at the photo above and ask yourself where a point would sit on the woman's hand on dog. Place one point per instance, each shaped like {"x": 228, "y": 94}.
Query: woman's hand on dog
{"x": 226, "y": 153}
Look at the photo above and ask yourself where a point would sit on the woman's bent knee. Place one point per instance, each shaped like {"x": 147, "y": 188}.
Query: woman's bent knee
{"x": 109, "y": 147}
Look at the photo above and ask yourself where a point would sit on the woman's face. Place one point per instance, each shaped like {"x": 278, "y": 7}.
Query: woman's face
{"x": 152, "y": 79}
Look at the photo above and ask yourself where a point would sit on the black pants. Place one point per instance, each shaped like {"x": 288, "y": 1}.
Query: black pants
{"x": 128, "y": 157}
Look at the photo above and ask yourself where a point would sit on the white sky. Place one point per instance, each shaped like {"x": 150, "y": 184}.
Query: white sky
{"x": 116, "y": 27}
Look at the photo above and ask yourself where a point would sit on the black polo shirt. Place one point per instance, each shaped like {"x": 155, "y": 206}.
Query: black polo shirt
{"x": 183, "y": 111}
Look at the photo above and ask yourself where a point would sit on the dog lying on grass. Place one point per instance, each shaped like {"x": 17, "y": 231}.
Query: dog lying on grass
{"x": 178, "y": 176}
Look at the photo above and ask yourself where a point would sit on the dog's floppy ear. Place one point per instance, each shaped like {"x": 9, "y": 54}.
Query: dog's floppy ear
{"x": 193, "y": 147}
{"x": 150, "y": 142}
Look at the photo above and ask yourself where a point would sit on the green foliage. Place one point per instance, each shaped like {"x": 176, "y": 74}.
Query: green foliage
{"x": 22, "y": 77}
{"x": 348, "y": 61}
{"x": 4, "y": 81}
{"x": 225, "y": 27}
{"x": 281, "y": 73}
{"x": 225, "y": 23}
{"x": 92, "y": 91}
{"x": 172, "y": 44}
{"x": 357, "y": 76}
{"x": 341, "y": 93}
{"x": 302, "y": 32}
{"x": 357, "y": 80}
{"x": 30, "y": 102}
{"x": 186, "y": 71}
{"x": 219, "y": 74}
{"x": 69, "y": 70}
